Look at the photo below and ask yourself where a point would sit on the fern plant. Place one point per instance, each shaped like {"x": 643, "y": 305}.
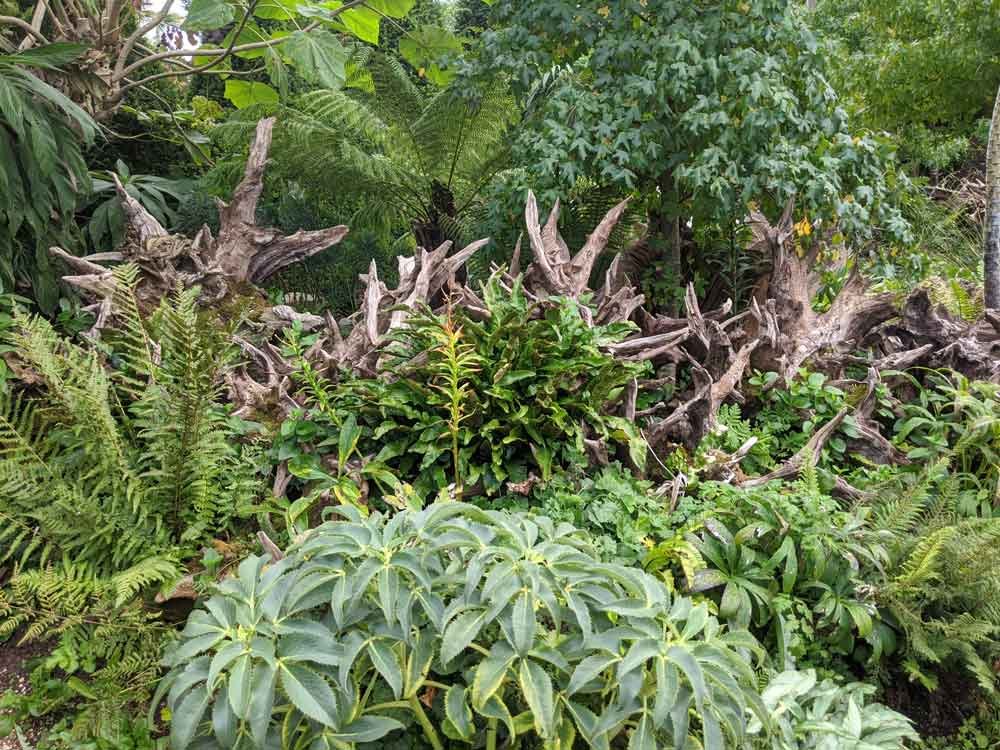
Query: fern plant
{"x": 941, "y": 589}
{"x": 420, "y": 161}
{"x": 111, "y": 478}
{"x": 116, "y": 467}
{"x": 105, "y": 648}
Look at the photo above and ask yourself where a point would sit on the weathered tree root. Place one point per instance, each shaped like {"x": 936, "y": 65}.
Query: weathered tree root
{"x": 242, "y": 256}
{"x": 779, "y": 332}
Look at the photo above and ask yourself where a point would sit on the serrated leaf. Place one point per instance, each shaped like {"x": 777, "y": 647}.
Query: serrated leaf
{"x": 261, "y": 701}
{"x": 460, "y": 633}
{"x": 368, "y": 729}
{"x": 384, "y": 660}
{"x": 239, "y": 690}
{"x": 490, "y": 675}
{"x": 587, "y": 670}
{"x": 458, "y": 712}
{"x": 536, "y": 686}
{"x": 643, "y": 737}
{"x": 524, "y": 623}
{"x": 309, "y": 693}
{"x": 187, "y": 715}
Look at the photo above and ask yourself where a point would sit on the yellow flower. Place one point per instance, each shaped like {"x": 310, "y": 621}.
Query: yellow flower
{"x": 604, "y": 10}
{"x": 648, "y": 543}
{"x": 803, "y": 228}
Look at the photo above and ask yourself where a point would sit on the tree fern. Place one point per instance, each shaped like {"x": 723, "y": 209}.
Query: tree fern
{"x": 419, "y": 161}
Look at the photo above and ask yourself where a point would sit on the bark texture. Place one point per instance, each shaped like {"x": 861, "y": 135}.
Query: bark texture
{"x": 991, "y": 235}
{"x": 241, "y": 257}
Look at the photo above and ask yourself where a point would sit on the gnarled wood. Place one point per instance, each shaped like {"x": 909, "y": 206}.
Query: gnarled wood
{"x": 242, "y": 256}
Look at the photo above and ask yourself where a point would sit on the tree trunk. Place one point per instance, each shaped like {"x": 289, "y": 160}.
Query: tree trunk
{"x": 991, "y": 234}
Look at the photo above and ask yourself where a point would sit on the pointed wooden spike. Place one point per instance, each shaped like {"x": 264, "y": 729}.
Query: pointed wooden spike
{"x": 583, "y": 263}
{"x": 515, "y": 262}
{"x": 143, "y": 222}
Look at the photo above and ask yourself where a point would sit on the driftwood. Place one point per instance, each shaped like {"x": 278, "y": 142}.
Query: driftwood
{"x": 241, "y": 257}
{"x": 801, "y": 333}
{"x": 779, "y": 332}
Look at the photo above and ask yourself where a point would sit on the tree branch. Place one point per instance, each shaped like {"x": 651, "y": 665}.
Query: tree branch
{"x": 24, "y": 26}
{"x": 135, "y": 36}
{"x": 220, "y": 54}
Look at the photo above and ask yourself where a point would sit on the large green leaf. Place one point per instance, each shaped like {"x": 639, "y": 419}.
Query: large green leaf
{"x": 276, "y": 10}
{"x": 246, "y": 93}
{"x": 368, "y": 729}
{"x": 362, "y": 22}
{"x": 385, "y": 661}
{"x": 458, "y": 712}
{"x": 48, "y": 56}
{"x": 392, "y": 8}
{"x": 460, "y": 633}
{"x": 185, "y": 719}
{"x": 424, "y": 49}
{"x": 310, "y": 693}
{"x": 319, "y": 57}
{"x": 208, "y": 15}
{"x": 536, "y": 686}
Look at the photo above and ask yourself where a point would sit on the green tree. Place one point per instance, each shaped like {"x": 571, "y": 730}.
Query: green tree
{"x": 700, "y": 107}
{"x": 925, "y": 70}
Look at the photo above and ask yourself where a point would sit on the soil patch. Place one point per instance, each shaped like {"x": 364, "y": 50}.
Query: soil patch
{"x": 14, "y": 676}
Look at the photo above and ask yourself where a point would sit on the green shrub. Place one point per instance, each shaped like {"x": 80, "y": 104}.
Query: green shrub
{"x": 472, "y": 404}
{"x": 813, "y": 715}
{"x": 784, "y": 560}
{"x": 624, "y": 515}
{"x": 504, "y": 624}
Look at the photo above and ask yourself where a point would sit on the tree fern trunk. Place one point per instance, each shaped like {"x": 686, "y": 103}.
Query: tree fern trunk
{"x": 991, "y": 235}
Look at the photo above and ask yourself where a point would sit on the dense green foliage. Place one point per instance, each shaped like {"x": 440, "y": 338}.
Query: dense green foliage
{"x": 477, "y": 403}
{"x": 468, "y": 540}
{"x": 42, "y": 169}
{"x": 924, "y": 70}
{"x": 513, "y": 613}
{"x": 714, "y": 104}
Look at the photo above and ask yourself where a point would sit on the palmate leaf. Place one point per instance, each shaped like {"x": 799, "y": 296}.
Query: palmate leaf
{"x": 451, "y": 538}
{"x": 318, "y": 56}
{"x": 206, "y": 15}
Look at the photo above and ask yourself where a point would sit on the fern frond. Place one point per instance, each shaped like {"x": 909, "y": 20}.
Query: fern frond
{"x": 149, "y": 572}
{"x": 130, "y": 338}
